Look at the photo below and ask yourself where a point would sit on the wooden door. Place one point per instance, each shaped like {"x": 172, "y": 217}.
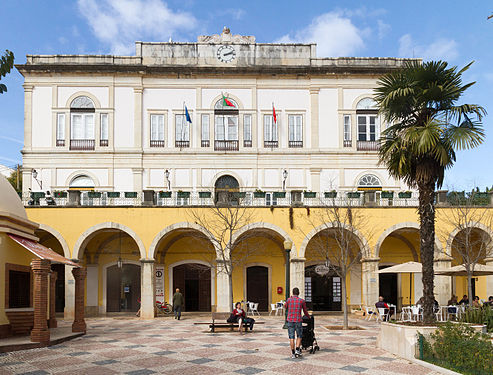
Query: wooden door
{"x": 258, "y": 286}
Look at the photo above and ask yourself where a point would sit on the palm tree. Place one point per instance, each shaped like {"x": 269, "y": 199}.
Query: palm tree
{"x": 427, "y": 127}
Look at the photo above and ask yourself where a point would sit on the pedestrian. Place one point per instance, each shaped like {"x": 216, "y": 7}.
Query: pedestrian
{"x": 177, "y": 303}
{"x": 293, "y": 306}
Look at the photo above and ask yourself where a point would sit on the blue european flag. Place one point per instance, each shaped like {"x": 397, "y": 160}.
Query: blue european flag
{"x": 187, "y": 115}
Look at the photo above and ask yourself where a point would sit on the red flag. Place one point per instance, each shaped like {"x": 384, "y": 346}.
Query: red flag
{"x": 274, "y": 113}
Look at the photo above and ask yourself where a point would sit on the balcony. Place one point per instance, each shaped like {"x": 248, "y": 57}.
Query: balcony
{"x": 271, "y": 144}
{"x": 103, "y": 143}
{"x": 247, "y": 143}
{"x": 367, "y": 146}
{"x": 82, "y": 144}
{"x": 60, "y": 142}
{"x": 182, "y": 144}
{"x": 295, "y": 144}
{"x": 226, "y": 145}
{"x": 347, "y": 143}
{"x": 205, "y": 143}
{"x": 157, "y": 143}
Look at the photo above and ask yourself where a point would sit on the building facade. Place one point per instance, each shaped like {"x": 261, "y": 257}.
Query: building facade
{"x": 189, "y": 126}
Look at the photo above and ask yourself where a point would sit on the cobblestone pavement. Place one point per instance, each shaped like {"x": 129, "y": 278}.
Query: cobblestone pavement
{"x": 167, "y": 346}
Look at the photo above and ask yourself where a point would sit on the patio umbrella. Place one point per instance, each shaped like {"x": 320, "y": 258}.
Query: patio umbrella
{"x": 460, "y": 270}
{"x": 408, "y": 267}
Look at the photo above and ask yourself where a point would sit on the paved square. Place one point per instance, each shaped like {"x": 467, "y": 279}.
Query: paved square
{"x": 166, "y": 346}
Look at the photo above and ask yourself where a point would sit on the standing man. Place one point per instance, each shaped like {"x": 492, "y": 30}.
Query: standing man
{"x": 293, "y": 306}
{"x": 177, "y": 303}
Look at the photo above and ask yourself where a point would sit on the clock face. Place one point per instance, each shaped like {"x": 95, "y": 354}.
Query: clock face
{"x": 226, "y": 53}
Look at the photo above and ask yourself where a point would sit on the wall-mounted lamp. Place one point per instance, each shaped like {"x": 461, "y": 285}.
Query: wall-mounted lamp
{"x": 284, "y": 178}
{"x": 35, "y": 176}
{"x": 166, "y": 174}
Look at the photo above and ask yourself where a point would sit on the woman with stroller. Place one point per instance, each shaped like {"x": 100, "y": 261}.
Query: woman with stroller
{"x": 238, "y": 316}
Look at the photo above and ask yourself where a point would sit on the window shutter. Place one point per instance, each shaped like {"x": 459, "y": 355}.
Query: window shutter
{"x": 179, "y": 127}
{"x": 247, "y": 127}
{"x": 232, "y": 128}
{"x": 89, "y": 126}
{"x": 60, "y": 126}
{"x": 219, "y": 128}
{"x": 205, "y": 127}
{"x": 291, "y": 125}
{"x": 160, "y": 132}
{"x": 274, "y": 129}
{"x": 347, "y": 127}
{"x": 267, "y": 128}
{"x": 77, "y": 131}
{"x": 104, "y": 126}
{"x": 299, "y": 128}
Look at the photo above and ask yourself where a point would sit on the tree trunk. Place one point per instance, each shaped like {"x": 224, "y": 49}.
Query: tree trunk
{"x": 469, "y": 287}
{"x": 230, "y": 280}
{"x": 427, "y": 245}
{"x": 345, "y": 324}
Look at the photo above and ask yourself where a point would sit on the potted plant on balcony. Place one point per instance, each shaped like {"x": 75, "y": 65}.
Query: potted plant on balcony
{"x": 164, "y": 194}
{"x": 130, "y": 194}
{"x": 405, "y": 194}
{"x": 387, "y": 194}
{"x": 183, "y": 194}
{"x": 259, "y": 194}
{"x": 205, "y": 194}
{"x": 113, "y": 194}
{"x": 94, "y": 194}
{"x": 353, "y": 194}
{"x": 60, "y": 194}
{"x": 310, "y": 194}
{"x": 330, "y": 194}
{"x": 279, "y": 194}
{"x": 239, "y": 194}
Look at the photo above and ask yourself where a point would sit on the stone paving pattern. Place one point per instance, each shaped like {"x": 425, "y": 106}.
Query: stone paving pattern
{"x": 167, "y": 346}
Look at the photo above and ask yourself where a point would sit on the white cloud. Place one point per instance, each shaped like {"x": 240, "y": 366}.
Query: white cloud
{"x": 11, "y": 139}
{"x": 119, "y": 23}
{"x": 334, "y": 33}
{"x": 440, "y": 49}
{"x": 383, "y": 29}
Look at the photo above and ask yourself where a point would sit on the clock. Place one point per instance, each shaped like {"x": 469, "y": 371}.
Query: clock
{"x": 226, "y": 54}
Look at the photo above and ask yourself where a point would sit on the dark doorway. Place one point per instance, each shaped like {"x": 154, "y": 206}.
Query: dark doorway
{"x": 322, "y": 289}
{"x": 388, "y": 286}
{"x": 227, "y": 191}
{"x": 258, "y": 286}
{"x": 123, "y": 288}
{"x": 194, "y": 282}
{"x": 59, "y": 287}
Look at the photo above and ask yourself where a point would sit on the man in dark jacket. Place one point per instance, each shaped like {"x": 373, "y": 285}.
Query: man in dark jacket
{"x": 177, "y": 303}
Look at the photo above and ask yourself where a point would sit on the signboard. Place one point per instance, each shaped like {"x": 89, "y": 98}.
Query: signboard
{"x": 159, "y": 286}
{"x": 322, "y": 269}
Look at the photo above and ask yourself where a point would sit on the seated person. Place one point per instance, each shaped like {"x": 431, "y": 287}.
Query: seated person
{"x": 421, "y": 301}
{"x": 381, "y": 304}
{"x": 490, "y": 301}
{"x": 453, "y": 301}
{"x": 475, "y": 302}
{"x": 464, "y": 300}
{"x": 238, "y": 316}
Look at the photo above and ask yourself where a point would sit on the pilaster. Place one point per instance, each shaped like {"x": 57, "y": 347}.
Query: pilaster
{"x": 298, "y": 275}
{"x": 40, "y": 332}
{"x": 223, "y": 288}
{"x": 314, "y": 108}
{"x": 147, "y": 289}
{"x": 137, "y": 174}
{"x": 370, "y": 280}
{"x": 79, "y": 324}
{"x": 138, "y": 117}
{"x": 443, "y": 284}
{"x": 68, "y": 312}
{"x": 315, "y": 179}
{"x": 28, "y": 122}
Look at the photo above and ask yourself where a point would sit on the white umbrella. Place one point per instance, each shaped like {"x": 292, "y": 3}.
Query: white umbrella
{"x": 460, "y": 270}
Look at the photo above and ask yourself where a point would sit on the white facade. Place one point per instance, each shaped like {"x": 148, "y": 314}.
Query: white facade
{"x": 133, "y": 134}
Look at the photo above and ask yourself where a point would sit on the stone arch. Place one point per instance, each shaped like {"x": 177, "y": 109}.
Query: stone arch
{"x": 86, "y": 236}
{"x": 226, "y": 172}
{"x": 97, "y": 103}
{"x": 471, "y": 224}
{"x": 368, "y": 172}
{"x": 360, "y": 239}
{"x": 105, "y": 267}
{"x": 360, "y": 98}
{"x": 407, "y": 224}
{"x": 81, "y": 172}
{"x": 170, "y": 228}
{"x": 234, "y": 97}
{"x": 261, "y": 225}
{"x": 59, "y": 237}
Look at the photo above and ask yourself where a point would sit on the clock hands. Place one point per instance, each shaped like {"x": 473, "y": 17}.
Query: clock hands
{"x": 228, "y": 53}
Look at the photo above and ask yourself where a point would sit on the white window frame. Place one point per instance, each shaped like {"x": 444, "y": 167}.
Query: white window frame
{"x": 295, "y": 128}
{"x": 60, "y": 127}
{"x": 104, "y": 127}
{"x": 205, "y": 128}
{"x": 368, "y": 134}
{"x": 271, "y": 128}
{"x": 157, "y": 127}
{"x": 347, "y": 127}
{"x": 88, "y": 126}
{"x": 227, "y": 134}
{"x": 182, "y": 128}
{"x": 247, "y": 128}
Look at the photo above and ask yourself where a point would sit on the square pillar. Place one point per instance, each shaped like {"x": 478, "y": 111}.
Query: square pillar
{"x": 370, "y": 280}
{"x": 298, "y": 275}
{"x": 52, "y": 323}
{"x": 79, "y": 324}
{"x": 147, "y": 289}
{"x": 443, "y": 284}
{"x": 40, "y": 332}
{"x": 223, "y": 290}
{"x": 68, "y": 312}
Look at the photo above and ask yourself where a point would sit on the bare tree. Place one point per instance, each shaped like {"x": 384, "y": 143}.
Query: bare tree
{"x": 471, "y": 244}
{"x": 336, "y": 244}
{"x": 221, "y": 223}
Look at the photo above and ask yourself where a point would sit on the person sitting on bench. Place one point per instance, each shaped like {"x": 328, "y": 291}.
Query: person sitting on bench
{"x": 238, "y": 316}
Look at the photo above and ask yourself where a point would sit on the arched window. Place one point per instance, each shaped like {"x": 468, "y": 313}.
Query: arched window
{"x": 366, "y": 103}
{"x": 369, "y": 181}
{"x": 82, "y": 124}
{"x": 226, "y": 125}
{"x": 227, "y": 190}
{"x": 82, "y": 181}
{"x": 368, "y": 125}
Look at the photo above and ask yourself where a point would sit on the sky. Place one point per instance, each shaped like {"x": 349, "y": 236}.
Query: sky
{"x": 455, "y": 31}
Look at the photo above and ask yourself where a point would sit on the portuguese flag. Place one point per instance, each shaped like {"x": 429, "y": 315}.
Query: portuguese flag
{"x": 227, "y": 103}
{"x": 274, "y": 113}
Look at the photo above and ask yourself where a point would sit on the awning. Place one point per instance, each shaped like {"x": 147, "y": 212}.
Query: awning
{"x": 41, "y": 251}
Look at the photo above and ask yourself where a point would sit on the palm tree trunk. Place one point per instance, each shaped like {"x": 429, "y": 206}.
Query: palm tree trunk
{"x": 427, "y": 245}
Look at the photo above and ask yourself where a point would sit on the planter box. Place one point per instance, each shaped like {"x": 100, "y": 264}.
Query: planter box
{"x": 400, "y": 339}
{"x": 353, "y": 194}
{"x": 37, "y": 194}
{"x": 205, "y": 194}
{"x": 310, "y": 194}
{"x": 330, "y": 194}
{"x": 113, "y": 194}
{"x": 239, "y": 194}
{"x": 94, "y": 194}
{"x": 165, "y": 194}
{"x": 183, "y": 194}
{"x": 259, "y": 194}
{"x": 404, "y": 194}
{"x": 387, "y": 194}
{"x": 60, "y": 194}
{"x": 130, "y": 194}
{"x": 279, "y": 194}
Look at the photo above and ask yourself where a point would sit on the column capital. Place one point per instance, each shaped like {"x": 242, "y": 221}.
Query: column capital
{"x": 314, "y": 90}
{"x": 79, "y": 272}
{"x": 40, "y": 265}
{"x": 298, "y": 260}
{"x": 145, "y": 260}
{"x": 369, "y": 260}
{"x": 138, "y": 90}
{"x": 28, "y": 87}
{"x": 443, "y": 258}
{"x": 488, "y": 260}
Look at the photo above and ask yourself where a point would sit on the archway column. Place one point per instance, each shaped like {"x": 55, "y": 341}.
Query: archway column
{"x": 370, "y": 280}
{"x": 40, "y": 332}
{"x": 79, "y": 324}
{"x": 489, "y": 279}
{"x": 298, "y": 275}
{"x": 68, "y": 311}
{"x": 52, "y": 323}
{"x": 223, "y": 288}
{"x": 443, "y": 284}
{"x": 147, "y": 289}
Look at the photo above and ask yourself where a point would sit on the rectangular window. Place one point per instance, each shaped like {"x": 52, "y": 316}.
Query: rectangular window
{"x": 182, "y": 131}
{"x": 19, "y": 289}
{"x": 367, "y": 128}
{"x": 270, "y": 131}
{"x": 104, "y": 130}
{"x": 362, "y": 136}
{"x": 60, "y": 129}
{"x": 270, "y": 199}
{"x": 247, "y": 131}
{"x": 347, "y": 131}
{"x": 295, "y": 131}
{"x": 157, "y": 131}
{"x": 82, "y": 126}
{"x": 205, "y": 131}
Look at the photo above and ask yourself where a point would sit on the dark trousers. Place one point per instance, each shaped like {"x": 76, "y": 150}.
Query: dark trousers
{"x": 177, "y": 310}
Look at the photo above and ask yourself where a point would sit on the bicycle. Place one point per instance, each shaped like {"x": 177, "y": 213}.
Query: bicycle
{"x": 164, "y": 307}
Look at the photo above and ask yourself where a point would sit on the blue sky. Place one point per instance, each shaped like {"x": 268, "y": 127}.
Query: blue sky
{"x": 457, "y": 32}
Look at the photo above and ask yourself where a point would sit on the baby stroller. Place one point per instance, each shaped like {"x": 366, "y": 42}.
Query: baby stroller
{"x": 308, "y": 339}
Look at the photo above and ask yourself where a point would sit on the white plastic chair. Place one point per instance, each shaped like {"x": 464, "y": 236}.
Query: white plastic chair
{"x": 254, "y": 308}
{"x": 275, "y": 308}
{"x": 416, "y": 313}
{"x": 406, "y": 314}
{"x": 382, "y": 315}
{"x": 369, "y": 313}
